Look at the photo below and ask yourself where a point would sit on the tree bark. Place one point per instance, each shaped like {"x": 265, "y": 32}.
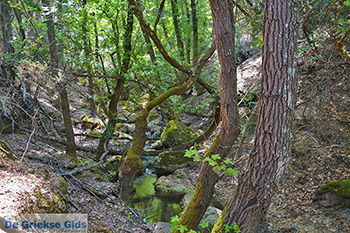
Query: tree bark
{"x": 68, "y": 128}
{"x": 270, "y": 152}
{"x": 180, "y": 44}
{"x": 223, "y": 33}
{"x": 195, "y": 31}
{"x": 6, "y": 27}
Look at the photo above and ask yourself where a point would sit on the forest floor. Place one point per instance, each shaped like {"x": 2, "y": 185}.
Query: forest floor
{"x": 320, "y": 153}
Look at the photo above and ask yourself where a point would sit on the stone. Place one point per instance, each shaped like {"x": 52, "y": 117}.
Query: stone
{"x": 169, "y": 161}
{"x": 334, "y": 193}
{"x": 176, "y": 133}
{"x": 161, "y": 227}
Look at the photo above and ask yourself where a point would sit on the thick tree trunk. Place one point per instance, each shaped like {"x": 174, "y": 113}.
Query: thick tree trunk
{"x": 223, "y": 32}
{"x": 113, "y": 104}
{"x": 68, "y": 128}
{"x": 269, "y": 154}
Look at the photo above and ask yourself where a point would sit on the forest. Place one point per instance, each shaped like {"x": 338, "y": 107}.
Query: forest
{"x": 175, "y": 116}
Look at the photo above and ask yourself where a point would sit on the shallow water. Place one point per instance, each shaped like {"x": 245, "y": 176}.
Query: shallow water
{"x": 151, "y": 206}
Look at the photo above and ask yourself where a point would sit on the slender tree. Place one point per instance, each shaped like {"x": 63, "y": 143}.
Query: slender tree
{"x": 223, "y": 33}
{"x": 270, "y": 152}
{"x": 68, "y": 128}
{"x": 113, "y": 104}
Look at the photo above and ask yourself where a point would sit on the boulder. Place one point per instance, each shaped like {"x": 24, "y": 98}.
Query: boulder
{"x": 176, "y": 133}
{"x": 160, "y": 227}
{"x": 173, "y": 186}
{"x": 334, "y": 193}
{"x": 169, "y": 161}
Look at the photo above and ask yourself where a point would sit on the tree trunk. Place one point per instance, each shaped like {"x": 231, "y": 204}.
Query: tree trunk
{"x": 6, "y": 26}
{"x": 270, "y": 152}
{"x": 113, "y": 104}
{"x": 195, "y": 31}
{"x": 68, "y": 128}
{"x": 88, "y": 58}
{"x": 180, "y": 44}
{"x": 20, "y": 23}
{"x": 149, "y": 45}
{"x": 223, "y": 33}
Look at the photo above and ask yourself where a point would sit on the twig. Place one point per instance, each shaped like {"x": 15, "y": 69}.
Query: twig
{"x": 79, "y": 169}
{"x": 28, "y": 142}
{"x": 31, "y": 23}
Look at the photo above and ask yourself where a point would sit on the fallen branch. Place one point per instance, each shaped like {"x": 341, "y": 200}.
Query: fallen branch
{"x": 27, "y": 145}
{"x": 80, "y": 169}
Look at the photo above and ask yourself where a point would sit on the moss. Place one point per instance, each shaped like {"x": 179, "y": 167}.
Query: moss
{"x": 63, "y": 186}
{"x": 46, "y": 173}
{"x": 95, "y": 133}
{"x": 219, "y": 225}
{"x": 87, "y": 123}
{"x": 340, "y": 187}
{"x": 176, "y": 133}
{"x": 144, "y": 186}
{"x": 169, "y": 161}
{"x": 6, "y": 152}
{"x": 53, "y": 203}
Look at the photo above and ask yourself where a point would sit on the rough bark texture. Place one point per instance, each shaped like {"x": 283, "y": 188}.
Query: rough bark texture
{"x": 269, "y": 154}
{"x": 6, "y": 27}
{"x": 68, "y": 128}
{"x": 113, "y": 104}
{"x": 223, "y": 33}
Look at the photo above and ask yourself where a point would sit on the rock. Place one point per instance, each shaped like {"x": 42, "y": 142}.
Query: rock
{"x": 171, "y": 187}
{"x": 112, "y": 163}
{"x": 176, "y": 133}
{"x": 211, "y": 215}
{"x": 169, "y": 161}
{"x": 334, "y": 193}
{"x": 160, "y": 227}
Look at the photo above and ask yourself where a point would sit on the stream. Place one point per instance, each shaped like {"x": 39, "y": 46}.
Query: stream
{"x": 153, "y": 207}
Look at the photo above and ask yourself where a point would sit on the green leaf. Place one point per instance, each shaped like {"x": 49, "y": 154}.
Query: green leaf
{"x": 191, "y": 152}
{"x": 196, "y": 159}
{"x": 216, "y": 156}
{"x": 212, "y": 162}
{"x": 231, "y": 171}
{"x": 228, "y": 161}
{"x": 182, "y": 228}
{"x": 175, "y": 219}
{"x": 204, "y": 224}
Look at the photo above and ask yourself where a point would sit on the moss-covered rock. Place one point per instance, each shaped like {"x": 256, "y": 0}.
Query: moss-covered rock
{"x": 169, "y": 161}
{"x": 87, "y": 123}
{"x": 52, "y": 202}
{"x": 176, "y": 133}
{"x": 334, "y": 193}
{"x": 112, "y": 163}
